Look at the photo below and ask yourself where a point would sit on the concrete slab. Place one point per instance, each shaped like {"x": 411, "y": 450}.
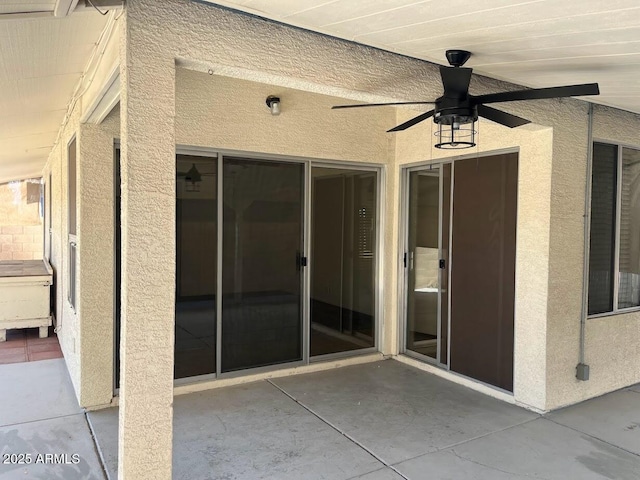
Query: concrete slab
{"x": 382, "y": 474}
{"x": 69, "y": 441}
{"x": 104, "y": 425}
{"x": 635, "y": 388}
{"x": 400, "y": 412}
{"x": 614, "y": 418}
{"x": 35, "y": 391}
{"x": 536, "y": 449}
{"x": 251, "y": 431}
{"x": 446, "y": 464}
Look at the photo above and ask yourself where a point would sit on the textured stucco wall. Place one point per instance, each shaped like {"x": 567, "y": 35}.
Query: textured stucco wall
{"x": 96, "y": 273}
{"x": 85, "y": 335}
{"x": 67, "y": 322}
{"x": 147, "y": 108}
{"x": 612, "y": 346}
{"x": 227, "y": 113}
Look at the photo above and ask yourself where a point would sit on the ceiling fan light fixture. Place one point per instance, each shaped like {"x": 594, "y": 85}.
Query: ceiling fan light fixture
{"x": 193, "y": 179}
{"x": 455, "y": 136}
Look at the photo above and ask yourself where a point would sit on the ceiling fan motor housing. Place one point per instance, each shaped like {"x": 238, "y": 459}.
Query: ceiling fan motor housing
{"x": 457, "y": 58}
{"x": 450, "y": 111}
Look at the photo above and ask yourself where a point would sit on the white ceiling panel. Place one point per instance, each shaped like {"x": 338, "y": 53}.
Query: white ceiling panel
{"x": 444, "y": 21}
{"x": 537, "y": 43}
{"x": 420, "y": 18}
{"x": 339, "y": 11}
{"x": 21, "y": 124}
{"x": 41, "y": 61}
{"x": 23, "y": 155}
{"x": 515, "y": 41}
{"x": 26, "y": 6}
{"x": 282, "y": 7}
{"x": 29, "y": 146}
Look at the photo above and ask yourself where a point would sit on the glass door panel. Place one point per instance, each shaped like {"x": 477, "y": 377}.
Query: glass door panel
{"x": 445, "y": 226}
{"x": 422, "y": 262}
{"x": 427, "y": 246}
{"x": 261, "y": 263}
{"x": 343, "y": 249}
{"x": 196, "y": 263}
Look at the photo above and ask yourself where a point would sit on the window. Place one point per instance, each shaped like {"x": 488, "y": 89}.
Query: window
{"x": 614, "y": 254}
{"x": 72, "y": 222}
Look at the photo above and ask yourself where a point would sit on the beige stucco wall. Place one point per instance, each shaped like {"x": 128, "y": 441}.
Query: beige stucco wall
{"x": 67, "y": 321}
{"x": 86, "y": 334}
{"x": 147, "y": 126}
{"x": 96, "y": 251}
{"x": 612, "y": 347}
{"x": 231, "y": 114}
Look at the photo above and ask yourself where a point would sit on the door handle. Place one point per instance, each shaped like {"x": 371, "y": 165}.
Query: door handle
{"x": 301, "y": 261}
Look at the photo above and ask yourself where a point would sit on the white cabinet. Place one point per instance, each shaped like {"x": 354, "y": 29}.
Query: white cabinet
{"x": 24, "y": 295}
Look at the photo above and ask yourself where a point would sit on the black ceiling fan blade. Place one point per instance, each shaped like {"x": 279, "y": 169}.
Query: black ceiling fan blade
{"x": 503, "y": 118}
{"x": 540, "y": 93}
{"x": 335, "y": 107}
{"x": 413, "y": 121}
{"x": 455, "y": 81}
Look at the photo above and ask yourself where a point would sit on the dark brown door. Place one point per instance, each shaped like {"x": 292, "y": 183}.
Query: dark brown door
{"x": 483, "y": 268}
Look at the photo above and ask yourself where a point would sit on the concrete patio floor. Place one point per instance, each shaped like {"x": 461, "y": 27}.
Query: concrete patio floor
{"x": 388, "y": 421}
{"x": 377, "y": 421}
{"x": 39, "y": 414}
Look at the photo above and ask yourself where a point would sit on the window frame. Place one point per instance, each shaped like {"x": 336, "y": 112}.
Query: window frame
{"x": 616, "y": 256}
{"x": 72, "y": 238}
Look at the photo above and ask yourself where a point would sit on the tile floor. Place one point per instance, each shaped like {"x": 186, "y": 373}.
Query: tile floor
{"x": 23, "y": 345}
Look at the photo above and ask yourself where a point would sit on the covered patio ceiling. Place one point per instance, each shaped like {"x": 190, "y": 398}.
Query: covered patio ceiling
{"x": 42, "y": 59}
{"x": 535, "y": 43}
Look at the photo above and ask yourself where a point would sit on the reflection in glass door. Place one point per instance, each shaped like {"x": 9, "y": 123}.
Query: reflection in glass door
{"x": 262, "y": 263}
{"x": 196, "y": 264}
{"x": 343, "y": 258}
{"x": 425, "y": 260}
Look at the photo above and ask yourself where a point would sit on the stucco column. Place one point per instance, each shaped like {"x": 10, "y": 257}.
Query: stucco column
{"x": 148, "y": 249}
{"x": 96, "y": 221}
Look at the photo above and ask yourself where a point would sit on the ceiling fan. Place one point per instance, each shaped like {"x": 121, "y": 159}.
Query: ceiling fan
{"x": 457, "y": 107}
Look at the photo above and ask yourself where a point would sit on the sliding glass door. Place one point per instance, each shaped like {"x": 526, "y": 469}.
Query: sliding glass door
{"x": 343, "y": 260}
{"x": 262, "y": 260}
{"x": 246, "y": 295}
{"x": 460, "y": 249}
{"x": 426, "y": 329}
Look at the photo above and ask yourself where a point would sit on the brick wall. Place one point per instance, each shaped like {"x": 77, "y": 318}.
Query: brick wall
{"x": 19, "y": 242}
{"x": 20, "y": 222}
